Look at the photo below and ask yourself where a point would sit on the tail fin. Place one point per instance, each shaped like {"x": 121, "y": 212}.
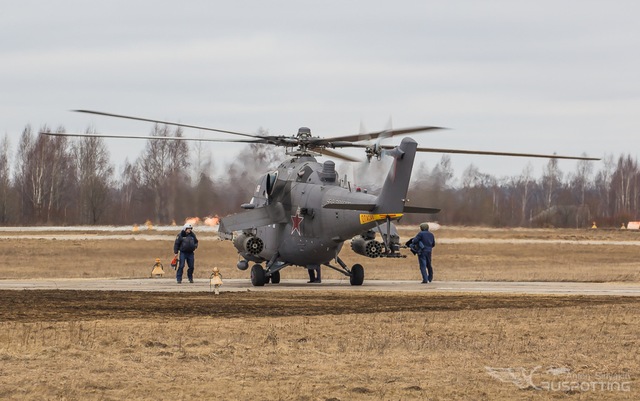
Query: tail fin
{"x": 394, "y": 190}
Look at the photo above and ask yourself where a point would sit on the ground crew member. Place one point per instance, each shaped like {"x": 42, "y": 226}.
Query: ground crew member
{"x": 422, "y": 244}
{"x": 314, "y": 274}
{"x": 186, "y": 243}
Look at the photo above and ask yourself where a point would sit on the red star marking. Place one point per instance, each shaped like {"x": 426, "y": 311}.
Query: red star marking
{"x": 295, "y": 223}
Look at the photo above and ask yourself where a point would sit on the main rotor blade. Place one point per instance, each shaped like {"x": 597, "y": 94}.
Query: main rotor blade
{"x": 335, "y": 154}
{"x": 488, "y": 153}
{"x": 161, "y": 138}
{"x": 374, "y": 135}
{"x": 100, "y": 113}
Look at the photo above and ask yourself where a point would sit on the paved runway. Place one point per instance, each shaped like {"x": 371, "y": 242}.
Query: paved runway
{"x": 202, "y": 285}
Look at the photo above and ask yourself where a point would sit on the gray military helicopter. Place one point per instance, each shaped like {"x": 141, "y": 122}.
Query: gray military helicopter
{"x": 301, "y": 214}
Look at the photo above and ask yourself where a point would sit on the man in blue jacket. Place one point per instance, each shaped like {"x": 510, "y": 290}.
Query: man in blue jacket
{"x": 422, "y": 244}
{"x": 186, "y": 243}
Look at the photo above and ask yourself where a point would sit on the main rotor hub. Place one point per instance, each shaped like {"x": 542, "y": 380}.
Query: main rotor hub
{"x": 304, "y": 133}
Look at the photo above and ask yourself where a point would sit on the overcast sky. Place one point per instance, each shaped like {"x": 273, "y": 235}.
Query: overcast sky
{"x": 544, "y": 76}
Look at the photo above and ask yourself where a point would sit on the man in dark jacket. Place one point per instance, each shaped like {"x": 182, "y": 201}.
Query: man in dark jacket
{"x": 186, "y": 243}
{"x": 422, "y": 244}
{"x": 314, "y": 274}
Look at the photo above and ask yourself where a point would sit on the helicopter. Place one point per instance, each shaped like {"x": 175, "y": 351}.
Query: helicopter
{"x": 301, "y": 214}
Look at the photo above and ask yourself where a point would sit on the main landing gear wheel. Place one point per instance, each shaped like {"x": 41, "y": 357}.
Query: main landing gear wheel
{"x": 357, "y": 275}
{"x": 258, "y": 277}
{"x": 275, "y": 278}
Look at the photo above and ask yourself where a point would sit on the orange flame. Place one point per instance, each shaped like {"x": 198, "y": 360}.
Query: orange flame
{"x": 212, "y": 220}
{"x": 192, "y": 220}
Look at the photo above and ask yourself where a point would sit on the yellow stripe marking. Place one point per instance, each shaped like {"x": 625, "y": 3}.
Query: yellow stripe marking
{"x": 368, "y": 218}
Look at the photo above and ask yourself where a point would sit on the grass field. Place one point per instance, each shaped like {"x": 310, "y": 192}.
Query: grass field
{"x": 325, "y": 345}
{"x": 461, "y": 254}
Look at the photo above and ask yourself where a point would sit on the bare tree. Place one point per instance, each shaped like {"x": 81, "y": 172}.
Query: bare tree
{"x": 61, "y": 177}
{"x": 44, "y": 176}
{"x": 603, "y": 187}
{"x": 94, "y": 174}
{"x": 624, "y": 185}
{"x": 31, "y": 170}
{"x": 163, "y": 169}
{"x": 476, "y": 205}
{"x": 551, "y": 182}
{"x": 442, "y": 173}
{"x": 524, "y": 185}
{"x": 5, "y": 182}
{"x": 580, "y": 180}
{"x": 23, "y": 180}
{"x": 202, "y": 162}
{"x": 129, "y": 192}
{"x": 206, "y": 199}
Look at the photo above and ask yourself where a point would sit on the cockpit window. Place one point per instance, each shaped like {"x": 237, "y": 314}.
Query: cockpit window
{"x": 304, "y": 173}
{"x": 271, "y": 181}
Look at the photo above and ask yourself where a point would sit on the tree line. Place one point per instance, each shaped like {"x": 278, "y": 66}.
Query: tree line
{"x": 608, "y": 197}
{"x": 57, "y": 180}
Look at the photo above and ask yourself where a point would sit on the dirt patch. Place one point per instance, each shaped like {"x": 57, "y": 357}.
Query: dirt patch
{"x": 32, "y": 306}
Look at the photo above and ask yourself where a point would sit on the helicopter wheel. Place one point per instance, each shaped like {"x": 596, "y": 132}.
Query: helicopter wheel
{"x": 275, "y": 278}
{"x": 258, "y": 277}
{"x": 357, "y": 275}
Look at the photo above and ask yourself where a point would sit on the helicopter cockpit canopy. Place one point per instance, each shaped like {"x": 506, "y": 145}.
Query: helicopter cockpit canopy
{"x": 271, "y": 181}
{"x": 264, "y": 190}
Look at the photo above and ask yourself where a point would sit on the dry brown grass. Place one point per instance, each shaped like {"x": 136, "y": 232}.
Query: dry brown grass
{"x": 439, "y": 353}
{"x": 519, "y": 261}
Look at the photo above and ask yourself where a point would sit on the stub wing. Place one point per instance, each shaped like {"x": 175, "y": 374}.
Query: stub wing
{"x": 271, "y": 214}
